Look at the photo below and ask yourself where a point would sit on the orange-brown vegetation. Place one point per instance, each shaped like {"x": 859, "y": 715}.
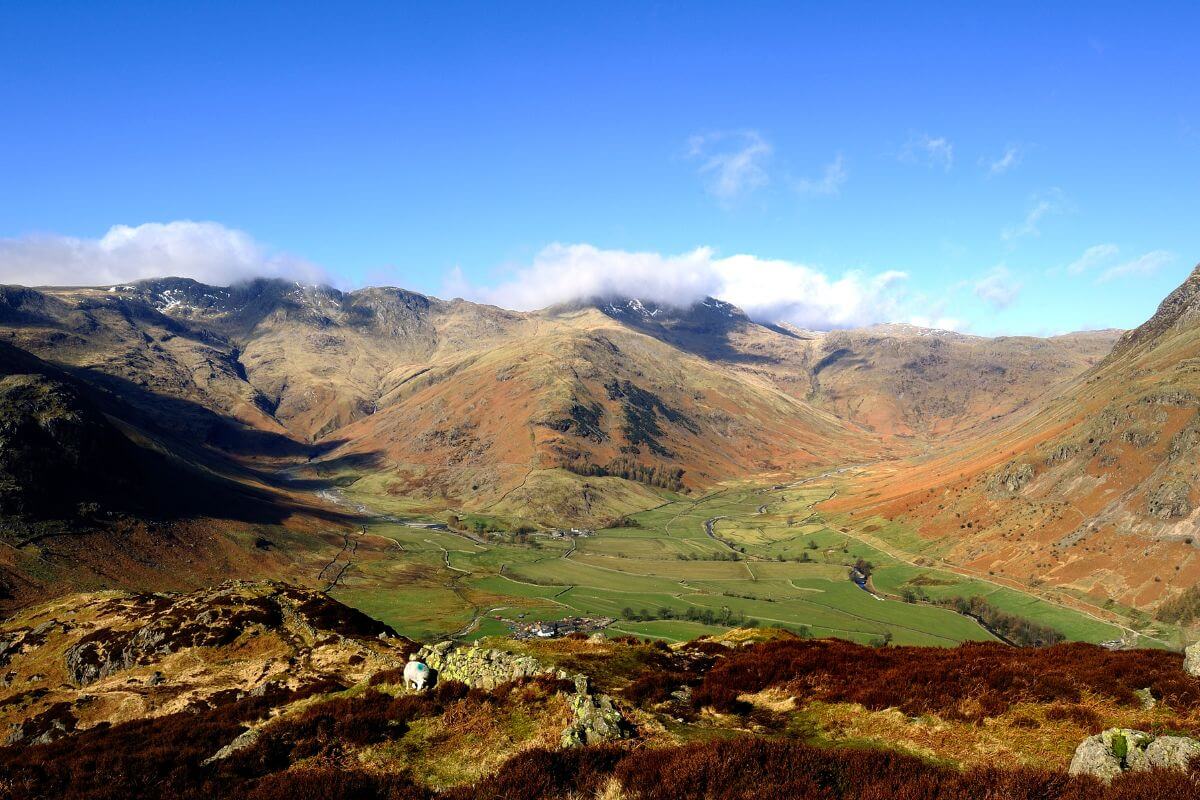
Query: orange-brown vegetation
{"x": 970, "y": 682}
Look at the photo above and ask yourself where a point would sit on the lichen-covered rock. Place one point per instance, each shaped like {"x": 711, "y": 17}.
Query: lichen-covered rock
{"x": 479, "y": 667}
{"x": 1191, "y": 660}
{"x": 1118, "y": 750}
{"x": 596, "y": 720}
{"x": 1171, "y": 752}
{"x": 1094, "y": 756}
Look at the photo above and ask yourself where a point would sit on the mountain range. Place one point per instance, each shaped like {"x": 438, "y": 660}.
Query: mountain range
{"x": 1061, "y": 457}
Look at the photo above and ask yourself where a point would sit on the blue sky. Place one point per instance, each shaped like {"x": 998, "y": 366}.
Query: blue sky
{"x": 1013, "y": 168}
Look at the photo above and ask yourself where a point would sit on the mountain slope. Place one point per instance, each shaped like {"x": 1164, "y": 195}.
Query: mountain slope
{"x": 473, "y": 406}
{"x": 1096, "y": 491}
{"x": 92, "y": 493}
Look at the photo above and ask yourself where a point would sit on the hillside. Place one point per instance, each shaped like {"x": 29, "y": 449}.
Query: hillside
{"x": 458, "y": 404}
{"x": 267, "y": 691}
{"x": 1095, "y": 491}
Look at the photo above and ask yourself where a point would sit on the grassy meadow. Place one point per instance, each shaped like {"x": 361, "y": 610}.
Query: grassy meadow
{"x": 772, "y": 559}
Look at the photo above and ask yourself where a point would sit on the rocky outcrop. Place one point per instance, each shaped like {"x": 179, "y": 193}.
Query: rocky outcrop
{"x": 1179, "y": 307}
{"x": 597, "y": 718}
{"x": 246, "y": 739}
{"x": 209, "y": 620}
{"x": 50, "y": 725}
{"x": 1117, "y": 750}
{"x": 213, "y": 618}
{"x": 479, "y": 667}
{"x": 1169, "y": 500}
{"x": 1014, "y": 477}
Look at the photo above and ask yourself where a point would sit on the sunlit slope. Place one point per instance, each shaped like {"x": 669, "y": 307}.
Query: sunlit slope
{"x": 1095, "y": 491}
{"x": 590, "y": 395}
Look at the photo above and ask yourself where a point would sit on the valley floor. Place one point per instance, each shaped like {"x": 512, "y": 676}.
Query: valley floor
{"x": 744, "y": 553}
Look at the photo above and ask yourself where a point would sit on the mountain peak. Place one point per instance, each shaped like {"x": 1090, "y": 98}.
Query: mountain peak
{"x": 1178, "y": 306}
{"x": 704, "y": 312}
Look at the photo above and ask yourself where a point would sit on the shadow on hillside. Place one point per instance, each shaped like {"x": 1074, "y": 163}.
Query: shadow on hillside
{"x": 710, "y": 341}
{"x": 330, "y": 473}
{"x": 192, "y": 468}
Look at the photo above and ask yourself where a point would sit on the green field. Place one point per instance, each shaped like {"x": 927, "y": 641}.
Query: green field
{"x": 773, "y": 560}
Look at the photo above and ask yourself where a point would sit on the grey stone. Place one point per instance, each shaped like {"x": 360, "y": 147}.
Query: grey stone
{"x": 244, "y": 740}
{"x": 1191, "y": 660}
{"x": 1118, "y": 750}
{"x": 1171, "y": 752}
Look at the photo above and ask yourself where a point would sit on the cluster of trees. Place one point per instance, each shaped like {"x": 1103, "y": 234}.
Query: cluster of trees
{"x": 660, "y": 475}
{"x": 724, "y": 616}
{"x": 720, "y": 555}
{"x": 1183, "y": 608}
{"x": 1018, "y": 630}
{"x": 864, "y": 567}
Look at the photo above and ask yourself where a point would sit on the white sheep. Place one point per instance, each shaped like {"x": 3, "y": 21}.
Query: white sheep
{"x": 416, "y": 675}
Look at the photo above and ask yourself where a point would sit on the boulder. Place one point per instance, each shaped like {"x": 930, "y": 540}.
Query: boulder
{"x": 1171, "y": 752}
{"x": 1119, "y": 750}
{"x": 478, "y": 667}
{"x": 244, "y": 740}
{"x": 1191, "y": 660}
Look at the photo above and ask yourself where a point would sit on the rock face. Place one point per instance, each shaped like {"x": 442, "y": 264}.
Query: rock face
{"x": 1178, "y": 308}
{"x": 1191, "y": 660}
{"x": 1118, "y": 750}
{"x": 597, "y": 718}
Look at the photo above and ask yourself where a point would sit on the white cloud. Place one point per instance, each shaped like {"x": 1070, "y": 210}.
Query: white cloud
{"x": 1011, "y": 157}
{"x": 1045, "y": 204}
{"x": 1146, "y": 264}
{"x": 561, "y": 273}
{"x": 769, "y": 290}
{"x": 998, "y": 288}
{"x": 932, "y": 150}
{"x": 830, "y": 182}
{"x": 206, "y": 251}
{"x": 731, "y": 162}
{"x": 1093, "y": 257}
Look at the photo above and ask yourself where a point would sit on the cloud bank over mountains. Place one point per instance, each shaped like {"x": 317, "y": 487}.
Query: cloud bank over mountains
{"x": 769, "y": 290}
{"x": 206, "y": 251}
